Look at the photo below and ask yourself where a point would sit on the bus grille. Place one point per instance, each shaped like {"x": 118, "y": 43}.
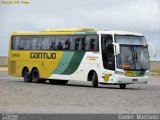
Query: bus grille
{"x": 12, "y": 67}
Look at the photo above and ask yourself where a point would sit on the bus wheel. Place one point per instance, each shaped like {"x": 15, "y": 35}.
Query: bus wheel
{"x": 35, "y": 76}
{"x": 94, "y": 79}
{"x": 122, "y": 86}
{"x": 26, "y": 75}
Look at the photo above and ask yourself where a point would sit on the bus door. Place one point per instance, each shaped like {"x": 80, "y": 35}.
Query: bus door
{"x": 108, "y": 52}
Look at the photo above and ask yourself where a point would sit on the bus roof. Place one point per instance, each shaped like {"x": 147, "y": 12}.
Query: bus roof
{"x": 75, "y": 31}
{"x": 71, "y": 31}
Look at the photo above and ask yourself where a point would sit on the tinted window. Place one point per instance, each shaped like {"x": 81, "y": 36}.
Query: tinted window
{"x": 79, "y": 42}
{"x": 25, "y": 43}
{"x": 52, "y": 42}
{"x": 45, "y": 43}
{"x": 15, "y": 42}
{"x": 35, "y": 43}
{"x": 106, "y": 40}
{"x": 62, "y": 43}
{"x": 92, "y": 42}
{"x": 72, "y": 43}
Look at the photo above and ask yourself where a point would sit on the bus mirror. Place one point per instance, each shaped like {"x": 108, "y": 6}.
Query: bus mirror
{"x": 116, "y": 48}
{"x": 153, "y": 53}
{"x": 152, "y": 50}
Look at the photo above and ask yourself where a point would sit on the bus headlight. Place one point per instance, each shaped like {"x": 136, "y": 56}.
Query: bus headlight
{"x": 120, "y": 72}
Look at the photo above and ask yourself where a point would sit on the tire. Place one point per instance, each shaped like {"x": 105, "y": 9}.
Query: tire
{"x": 35, "y": 76}
{"x": 122, "y": 86}
{"x": 94, "y": 79}
{"x": 26, "y": 75}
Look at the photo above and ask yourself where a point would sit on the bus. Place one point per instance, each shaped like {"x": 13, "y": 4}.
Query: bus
{"x": 79, "y": 54}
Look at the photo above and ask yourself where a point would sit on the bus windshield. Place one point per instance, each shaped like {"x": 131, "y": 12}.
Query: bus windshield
{"x": 134, "y": 53}
{"x": 130, "y": 40}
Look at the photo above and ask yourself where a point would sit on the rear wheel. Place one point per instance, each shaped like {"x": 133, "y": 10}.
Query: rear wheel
{"x": 35, "y": 76}
{"x": 26, "y": 75}
{"x": 94, "y": 79}
{"x": 122, "y": 86}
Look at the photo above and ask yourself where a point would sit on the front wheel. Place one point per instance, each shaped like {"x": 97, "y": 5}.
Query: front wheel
{"x": 35, "y": 76}
{"x": 94, "y": 79}
{"x": 122, "y": 86}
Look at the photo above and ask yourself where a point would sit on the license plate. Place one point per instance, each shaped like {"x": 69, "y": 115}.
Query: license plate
{"x": 134, "y": 80}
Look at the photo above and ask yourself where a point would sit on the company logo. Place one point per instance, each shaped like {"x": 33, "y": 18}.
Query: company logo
{"x": 92, "y": 58}
{"x": 44, "y": 55}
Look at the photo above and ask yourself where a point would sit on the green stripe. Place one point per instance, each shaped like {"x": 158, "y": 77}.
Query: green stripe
{"x": 74, "y": 63}
{"x": 69, "y": 62}
{"x": 64, "y": 62}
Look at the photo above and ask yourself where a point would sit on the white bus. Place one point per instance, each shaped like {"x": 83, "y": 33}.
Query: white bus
{"x": 58, "y": 55}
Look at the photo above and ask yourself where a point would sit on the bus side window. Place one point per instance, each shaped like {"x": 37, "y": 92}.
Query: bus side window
{"x": 45, "y": 42}
{"x": 77, "y": 40}
{"x": 80, "y": 43}
{"x": 92, "y": 42}
{"x": 59, "y": 43}
{"x": 52, "y": 42}
{"x": 66, "y": 44}
{"x": 59, "y": 47}
{"x": 35, "y": 43}
{"x": 13, "y": 42}
{"x": 25, "y": 43}
{"x": 52, "y": 46}
{"x": 72, "y": 43}
{"x": 83, "y": 45}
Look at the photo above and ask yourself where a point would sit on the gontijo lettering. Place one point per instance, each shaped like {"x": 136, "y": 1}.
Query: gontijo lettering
{"x": 43, "y": 55}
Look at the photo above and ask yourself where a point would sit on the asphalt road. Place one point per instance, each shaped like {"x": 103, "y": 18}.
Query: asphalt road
{"x": 77, "y": 97}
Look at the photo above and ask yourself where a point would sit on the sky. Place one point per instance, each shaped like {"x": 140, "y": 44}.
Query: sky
{"x": 142, "y": 16}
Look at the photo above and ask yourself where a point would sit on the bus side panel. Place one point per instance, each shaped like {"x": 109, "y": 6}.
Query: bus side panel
{"x": 68, "y": 65}
{"x": 20, "y": 59}
{"x": 91, "y": 61}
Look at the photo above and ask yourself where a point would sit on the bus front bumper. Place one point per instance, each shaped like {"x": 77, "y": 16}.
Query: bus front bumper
{"x": 120, "y": 79}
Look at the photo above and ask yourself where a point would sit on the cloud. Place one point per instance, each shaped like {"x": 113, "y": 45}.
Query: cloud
{"x": 137, "y": 15}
